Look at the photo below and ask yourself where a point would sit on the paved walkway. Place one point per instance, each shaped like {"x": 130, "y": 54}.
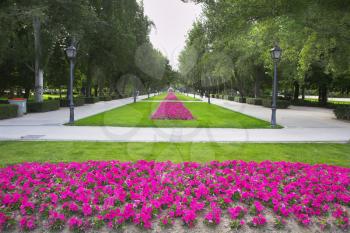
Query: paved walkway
{"x": 302, "y": 124}
{"x": 293, "y": 117}
{"x": 61, "y": 116}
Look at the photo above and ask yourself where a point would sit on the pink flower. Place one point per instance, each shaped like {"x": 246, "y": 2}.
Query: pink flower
{"x": 171, "y": 96}
{"x": 3, "y": 220}
{"x": 27, "y": 208}
{"x": 27, "y": 223}
{"x": 189, "y": 217}
{"x": 258, "y": 221}
{"x": 75, "y": 223}
{"x": 87, "y": 210}
{"x": 237, "y": 212}
{"x": 214, "y": 215}
{"x": 172, "y": 111}
{"x": 112, "y": 192}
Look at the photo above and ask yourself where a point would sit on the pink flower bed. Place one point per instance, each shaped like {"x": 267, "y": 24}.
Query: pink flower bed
{"x": 172, "y": 111}
{"x": 81, "y": 196}
{"x": 171, "y": 96}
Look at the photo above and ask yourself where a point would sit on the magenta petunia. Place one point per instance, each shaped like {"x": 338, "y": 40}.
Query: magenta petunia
{"x": 172, "y": 111}
{"x": 47, "y": 196}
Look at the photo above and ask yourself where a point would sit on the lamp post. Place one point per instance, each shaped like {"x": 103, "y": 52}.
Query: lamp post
{"x": 71, "y": 52}
{"x": 276, "y": 53}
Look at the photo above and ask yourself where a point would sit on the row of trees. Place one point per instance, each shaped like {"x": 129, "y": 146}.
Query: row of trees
{"x": 111, "y": 36}
{"x": 228, "y": 47}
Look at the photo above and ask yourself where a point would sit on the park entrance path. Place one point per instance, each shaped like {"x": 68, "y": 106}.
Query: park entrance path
{"x": 301, "y": 125}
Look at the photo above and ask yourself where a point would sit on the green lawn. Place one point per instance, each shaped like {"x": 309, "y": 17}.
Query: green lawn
{"x": 181, "y": 97}
{"x": 206, "y": 116}
{"x": 16, "y": 152}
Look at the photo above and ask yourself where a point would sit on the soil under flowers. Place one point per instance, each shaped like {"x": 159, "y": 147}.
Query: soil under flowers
{"x": 113, "y": 195}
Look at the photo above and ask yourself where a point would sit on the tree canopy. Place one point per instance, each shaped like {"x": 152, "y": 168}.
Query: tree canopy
{"x": 111, "y": 36}
{"x": 230, "y": 45}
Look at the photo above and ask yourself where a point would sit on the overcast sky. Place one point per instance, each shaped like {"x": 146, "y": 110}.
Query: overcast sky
{"x": 173, "y": 19}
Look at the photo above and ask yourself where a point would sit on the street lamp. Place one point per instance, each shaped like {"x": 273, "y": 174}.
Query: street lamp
{"x": 276, "y": 53}
{"x": 71, "y": 52}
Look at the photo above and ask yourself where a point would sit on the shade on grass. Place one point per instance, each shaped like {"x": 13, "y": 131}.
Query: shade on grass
{"x": 206, "y": 116}
{"x": 180, "y": 97}
{"x": 16, "y": 152}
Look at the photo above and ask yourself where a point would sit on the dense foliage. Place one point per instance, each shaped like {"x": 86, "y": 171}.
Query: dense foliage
{"x": 112, "y": 37}
{"x": 228, "y": 47}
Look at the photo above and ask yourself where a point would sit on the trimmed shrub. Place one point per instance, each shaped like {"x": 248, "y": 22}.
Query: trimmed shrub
{"x": 116, "y": 97}
{"x": 240, "y": 99}
{"x": 212, "y": 95}
{"x": 8, "y": 111}
{"x": 105, "y": 98}
{"x": 91, "y": 100}
{"x": 231, "y": 98}
{"x": 78, "y": 101}
{"x": 310, "y": 103}
{"x": 4, "y": 101}
{"x": 46, "y": 106}
{"x": 342, "y": 113}
{"x": 254, "y": 101}
{"x": 281, "y": 104}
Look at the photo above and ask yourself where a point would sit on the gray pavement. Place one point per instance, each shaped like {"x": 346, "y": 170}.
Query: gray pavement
{"x": 293, "y": 117}
{"x": 302, "y": 124}
{"x": 61, "y": 116}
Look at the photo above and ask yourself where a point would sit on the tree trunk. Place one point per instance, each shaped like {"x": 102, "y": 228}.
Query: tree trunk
{"x": 134, "y": 94}
{"x": 296, "y": 90}
{"x": 26, "y": 92}
{"x": 323, "y": 94}
{"x": 95, "y": 90}
{"x": 303, "y": 92}
{"x": 39, "y": 73}
{"x": 258, "y": 77}
{"x": 208, "y": 96}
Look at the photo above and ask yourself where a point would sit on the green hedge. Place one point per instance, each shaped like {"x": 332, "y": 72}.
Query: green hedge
{"x": 78, "y": 101}
{"x": 46, "y": 106}
{"x": 342, "y": 113}
{"x": 281, "y": 104}
{"x": 91, "y": 100}
{"x": 309, "y": 103}
{"x": 254, "y": 101}
{"x": 116, "y": 97}
{"x": 105, "y": 98}
{"x": 240, "y": 99}
{"x": 8, "y": 111}
{"x": 232, "y": 98}
{"x": 4, "y": 102}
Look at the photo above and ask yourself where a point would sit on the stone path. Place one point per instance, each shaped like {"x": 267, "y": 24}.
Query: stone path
{"x": 301, "y": 124}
